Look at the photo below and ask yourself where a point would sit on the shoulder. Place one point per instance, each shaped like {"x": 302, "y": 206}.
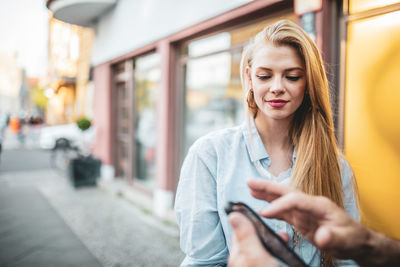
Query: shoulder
{"x": 345, "y": 171}
{"x": 350, "y": 192}
{"x": 209, "y": 151}
{"x": 345, "y": 168}
{"x": 217, "y": 140}
{"x": 344, "y": 164}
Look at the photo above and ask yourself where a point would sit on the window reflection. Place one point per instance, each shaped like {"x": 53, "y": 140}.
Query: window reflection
{"x": 213, "y": 95}
{"x": 213, "y": 92}
{"x": 147, "y": 77}
{"x": 218, "y": 42}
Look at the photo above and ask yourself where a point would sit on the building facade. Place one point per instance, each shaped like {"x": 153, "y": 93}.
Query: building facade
{"x": 66, "y": 80}
{"x": 167, "y": 72}
{"x": 11, "y": 78}
{"x": 164, "y": 95}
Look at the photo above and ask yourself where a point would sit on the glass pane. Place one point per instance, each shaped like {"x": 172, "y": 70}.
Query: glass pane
{"x": 213, "y": 95}
{"x": 211, "y": 44}
{"x": 147, "y": 77}
{"x": 214, "y": 98}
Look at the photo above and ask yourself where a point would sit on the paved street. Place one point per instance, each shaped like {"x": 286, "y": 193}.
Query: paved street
{"x": 44, "y": 221}
{"x": 20, "y": 159}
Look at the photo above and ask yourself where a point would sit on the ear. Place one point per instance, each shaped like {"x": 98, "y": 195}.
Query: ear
{"x": 248, "y": 74}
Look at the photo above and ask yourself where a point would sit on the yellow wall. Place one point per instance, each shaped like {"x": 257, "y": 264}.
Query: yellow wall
{"x": 372, "y": 118}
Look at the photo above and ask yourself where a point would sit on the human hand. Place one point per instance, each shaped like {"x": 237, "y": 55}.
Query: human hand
{"x": 247, "y": 250}
{"x": 322, "y": 222}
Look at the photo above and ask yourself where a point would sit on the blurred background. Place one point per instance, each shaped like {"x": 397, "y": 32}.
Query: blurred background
{"x": 112, "y": 93}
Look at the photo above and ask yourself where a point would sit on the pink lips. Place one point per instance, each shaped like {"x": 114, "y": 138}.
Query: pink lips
{"x": 277, "y": 103}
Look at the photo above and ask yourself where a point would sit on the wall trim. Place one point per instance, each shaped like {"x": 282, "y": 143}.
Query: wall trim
{"x": 250, "y": 11}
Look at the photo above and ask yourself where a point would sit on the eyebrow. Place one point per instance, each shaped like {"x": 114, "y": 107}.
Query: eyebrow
{"x": 289, "y": 69}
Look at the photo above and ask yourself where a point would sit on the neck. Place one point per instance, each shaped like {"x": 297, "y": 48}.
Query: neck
{"x": 273, "y": 133}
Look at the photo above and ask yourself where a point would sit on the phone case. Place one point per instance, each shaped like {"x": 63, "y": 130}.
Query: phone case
{"x": 275, "y": 245}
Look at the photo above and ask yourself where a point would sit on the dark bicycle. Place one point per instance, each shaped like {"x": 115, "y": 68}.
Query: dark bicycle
{"x": 80, "y": 168}
{"x": 62, "y": 153}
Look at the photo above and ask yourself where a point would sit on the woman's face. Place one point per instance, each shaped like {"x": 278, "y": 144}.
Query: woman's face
{"x": 278, "y": 80}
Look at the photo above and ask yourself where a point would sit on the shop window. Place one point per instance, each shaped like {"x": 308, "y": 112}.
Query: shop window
{"x": 147, "y": 76}
{"x": 213, "y": 91}
{"x": 213, "y": 95}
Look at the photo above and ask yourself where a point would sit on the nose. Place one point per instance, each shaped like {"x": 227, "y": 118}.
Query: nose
{"x": 277, "y": 86}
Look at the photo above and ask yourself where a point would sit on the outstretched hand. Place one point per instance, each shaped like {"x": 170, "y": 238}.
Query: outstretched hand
{"x": 322, "y": 222}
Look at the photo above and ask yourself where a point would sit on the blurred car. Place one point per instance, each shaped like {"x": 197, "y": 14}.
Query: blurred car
{"x": 50, "y": 134}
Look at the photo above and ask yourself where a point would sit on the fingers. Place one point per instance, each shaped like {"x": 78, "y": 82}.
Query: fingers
{"x": 244, "y": 241}
{"x": 336, "y": 241}
{"x": 284, "y": 236}
{"x": 323, "y": 237}
{"x": 235, "y": 250}
{"x": 247, "y": 250}
{"x": 283, "y": 207}
{"x": 243, "y": 229}
{"x": 267, "y": 190}
{"x": 340, "y": 237}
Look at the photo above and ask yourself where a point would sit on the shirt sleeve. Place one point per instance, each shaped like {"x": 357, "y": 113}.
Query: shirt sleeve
{"x": 349, "y": 201}
{"x": 201, "y": 235}
{"x": 349, "y": 195}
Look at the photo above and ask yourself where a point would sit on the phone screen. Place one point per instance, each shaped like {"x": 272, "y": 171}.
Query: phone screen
{"x": 270, "y": 240}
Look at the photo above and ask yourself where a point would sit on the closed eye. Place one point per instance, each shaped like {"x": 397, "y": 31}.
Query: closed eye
{"x": 263, "y": 77}
{"x": 293, "y": 78}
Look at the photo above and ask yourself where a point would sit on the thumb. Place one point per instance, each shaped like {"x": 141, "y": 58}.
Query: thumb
{"x": 333, "y": 238}
{"x": 323, "y": 238}
{"x": 244, "y": 230}
{"x": 336, "y": 238}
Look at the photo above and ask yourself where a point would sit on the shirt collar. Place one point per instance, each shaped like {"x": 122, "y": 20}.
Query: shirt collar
{"x": 258, "y": 152}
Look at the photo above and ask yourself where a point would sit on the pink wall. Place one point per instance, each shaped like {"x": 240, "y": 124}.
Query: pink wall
{"x": 166, "y": 119}
{"x": 103, "y": 113}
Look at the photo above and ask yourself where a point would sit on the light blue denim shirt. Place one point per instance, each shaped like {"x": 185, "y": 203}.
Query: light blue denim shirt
{"x": 215, "y": 172}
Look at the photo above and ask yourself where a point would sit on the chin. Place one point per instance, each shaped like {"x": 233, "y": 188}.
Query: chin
{"x": 277, "y": 116}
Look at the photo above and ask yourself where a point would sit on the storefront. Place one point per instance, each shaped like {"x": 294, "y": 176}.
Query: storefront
{"x": 67, "y": 77}
{"x": 135, "y": 84}
{"x": 163, "y": 96}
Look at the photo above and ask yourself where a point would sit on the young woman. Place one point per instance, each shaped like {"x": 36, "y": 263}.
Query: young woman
{"x": 288, "y": 138}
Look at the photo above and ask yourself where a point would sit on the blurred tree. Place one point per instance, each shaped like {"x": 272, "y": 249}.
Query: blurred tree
{"x": 38, "y": 97}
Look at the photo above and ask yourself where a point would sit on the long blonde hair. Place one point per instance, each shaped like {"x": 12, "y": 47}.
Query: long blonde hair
{"x": 316, "y": 170}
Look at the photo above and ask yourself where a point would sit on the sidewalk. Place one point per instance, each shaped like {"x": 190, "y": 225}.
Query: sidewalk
{"x": 27, "y": 239}
{"x": 87, "y": 224}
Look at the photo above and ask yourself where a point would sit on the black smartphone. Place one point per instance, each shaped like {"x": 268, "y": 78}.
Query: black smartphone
{"x": 275, "y": 245}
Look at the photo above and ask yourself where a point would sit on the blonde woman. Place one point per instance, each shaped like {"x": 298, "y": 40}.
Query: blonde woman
{"x": 288, "y": 138}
